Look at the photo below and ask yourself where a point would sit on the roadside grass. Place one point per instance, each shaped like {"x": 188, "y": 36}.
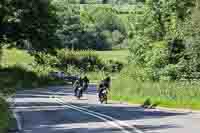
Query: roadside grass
{"x": 96, "y": 77}
{"x": 12, "y": 123}
{"x": 170, "y": 94}
{"x": 11, "y": 57}
{"x": 18, "y": 69}
{"x": 91, "y": 58}
{"x": 4, "y": 116}
{"x": 101, "y": 64}
{"x": 115, "y": 55}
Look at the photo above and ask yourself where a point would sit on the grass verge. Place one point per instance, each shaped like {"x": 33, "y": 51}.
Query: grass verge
{"x": 169, "y": 94}
{"x": 4, "y": 116}
{"x": 115, "y": 55}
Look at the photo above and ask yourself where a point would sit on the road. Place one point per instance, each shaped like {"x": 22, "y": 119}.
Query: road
{"x": 56, "y": 110}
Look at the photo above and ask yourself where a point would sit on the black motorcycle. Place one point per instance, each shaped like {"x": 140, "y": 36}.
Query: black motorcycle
{"x": 103, "y": 98}
{"x": 79, "y": 92}
{"x": 85, "y": 87}
{"x": 78, "y": 89}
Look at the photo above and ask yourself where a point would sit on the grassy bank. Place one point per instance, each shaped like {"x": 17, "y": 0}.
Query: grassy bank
{"x": 20, "y": 70}
{"x": 4, "y": 116}
{"x": 116, "y": 55}
{"x": 96, "y": 77}
{"x": 175, "y": 94}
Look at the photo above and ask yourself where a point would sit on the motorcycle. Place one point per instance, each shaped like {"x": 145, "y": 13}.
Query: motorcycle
{"x": 77, "y": 88}
{"x": 79, "y": 92}
{"x": 103, "y": 96}
{"x": 85, "y": 87}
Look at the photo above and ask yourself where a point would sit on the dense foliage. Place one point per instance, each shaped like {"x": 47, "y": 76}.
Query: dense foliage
{"x": 29, "y": 25}
{"x": 164, "y": 39}
{"x": 103, "y": 1}
{"x": 162, "y": 36}
{"x": 4, "y": 116}
{"x": 90, "y": 27}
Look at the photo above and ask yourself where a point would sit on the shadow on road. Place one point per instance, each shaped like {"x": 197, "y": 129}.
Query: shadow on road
{"x": 127, "y": 113}
{"x": 52, "y": 114}
{"x": 153, "y": 127}
{"x": 40, "y": 112}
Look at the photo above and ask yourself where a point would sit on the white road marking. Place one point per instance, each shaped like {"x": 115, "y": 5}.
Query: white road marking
{"x": 94, "y": 115}
{"x": 120, "y": 124}
{"x": 111, "y": 118}
{"x": 114, "y": 122}
{"x": 19, "y": 125}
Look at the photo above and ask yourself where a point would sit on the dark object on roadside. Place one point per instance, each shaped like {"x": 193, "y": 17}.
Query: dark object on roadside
{"x": 149, "y": 105}
{"x": 58, "y": 74}
{"x": 146, "y": 103}
{"x": 153, "y": 106}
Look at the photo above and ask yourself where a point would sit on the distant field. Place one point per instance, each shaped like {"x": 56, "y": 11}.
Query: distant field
{"x": 117, "y": 55}
{"x": 11, "y": 57}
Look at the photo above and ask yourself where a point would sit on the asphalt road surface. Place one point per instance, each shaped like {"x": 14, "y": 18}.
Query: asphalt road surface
{"x": 56, "y": 110}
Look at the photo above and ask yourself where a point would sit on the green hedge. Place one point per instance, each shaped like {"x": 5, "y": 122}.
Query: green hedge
{"x": 87, "y": 61}
{"x": 4, "y": 116}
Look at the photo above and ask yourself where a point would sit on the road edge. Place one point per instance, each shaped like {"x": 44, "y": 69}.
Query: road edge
{"x": 15, "y": 115}
{"x": 18, "y": 120}
{"x": 178, "y": 110}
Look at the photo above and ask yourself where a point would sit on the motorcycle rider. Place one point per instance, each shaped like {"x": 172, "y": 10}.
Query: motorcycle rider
{"x": 78, "y": 83}
{"x": 104, "y": 85}
{"x": 85, "y": 83}
{"x": 106, "y": 82}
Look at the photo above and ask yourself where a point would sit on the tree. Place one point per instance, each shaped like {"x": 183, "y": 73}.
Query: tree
{"x": 31, "y": 21}
{"x": 162, "y": 39}
{"x": 89, "y": 26}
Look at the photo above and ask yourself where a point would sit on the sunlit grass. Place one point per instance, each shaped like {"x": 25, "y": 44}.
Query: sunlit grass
{"x": 164, "y": 93}
{"x": 11, "y": 57}
{"x": 116, "y": 55}
{"x": 4, "y": 116}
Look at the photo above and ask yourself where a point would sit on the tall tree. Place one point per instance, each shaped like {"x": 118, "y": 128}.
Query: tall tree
{"x": 30, "y": 22}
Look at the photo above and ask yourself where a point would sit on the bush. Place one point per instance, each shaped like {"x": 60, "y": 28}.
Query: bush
{"x": 19, "y": 77}
{"x": 113, "y": 66}
{"x": 158, "y": 62}
{"x": 134, "y": 71}
{"x": 87, "y": 61}
{"x": 21, "y": 70}
{"x": 4, "y": 116}
{"x": 171, "y": 72}
{"x": 33, "y": 71}
{"x": 72, "y": 70}
{"x": 46, "y": 59}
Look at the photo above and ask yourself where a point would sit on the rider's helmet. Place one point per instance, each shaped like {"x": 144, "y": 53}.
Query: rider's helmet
{"x": 108, "y": 79}
{"x": 101, "y": 86}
